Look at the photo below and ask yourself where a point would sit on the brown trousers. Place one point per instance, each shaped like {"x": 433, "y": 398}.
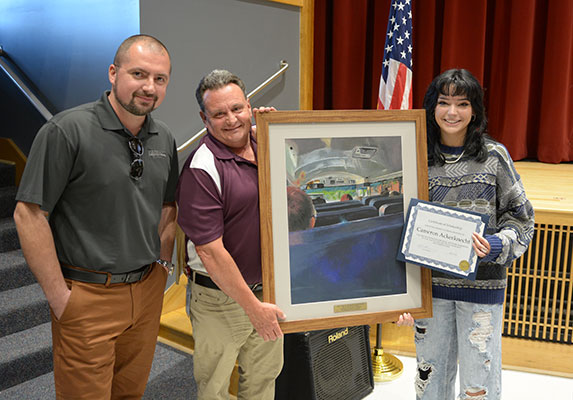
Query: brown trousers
{"x": 104, "y": 342}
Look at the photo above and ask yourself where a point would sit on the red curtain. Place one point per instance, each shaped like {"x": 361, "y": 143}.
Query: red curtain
{"x": 521, "y": 51}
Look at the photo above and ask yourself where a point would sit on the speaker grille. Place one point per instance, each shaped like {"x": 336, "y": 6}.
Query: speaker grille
{"x": 331, "y": 364}
{"x": 342, "y": 367}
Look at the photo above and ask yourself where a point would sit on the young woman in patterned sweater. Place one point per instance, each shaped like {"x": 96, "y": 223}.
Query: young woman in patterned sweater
{"x": 470, "y": 171}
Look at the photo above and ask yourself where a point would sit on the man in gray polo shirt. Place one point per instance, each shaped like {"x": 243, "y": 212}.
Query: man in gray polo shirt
{"x": 104, "y": 174}
{"x": 219, "y": 212}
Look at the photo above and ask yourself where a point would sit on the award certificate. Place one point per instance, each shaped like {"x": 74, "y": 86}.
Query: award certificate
{"x": 440, "y": 237}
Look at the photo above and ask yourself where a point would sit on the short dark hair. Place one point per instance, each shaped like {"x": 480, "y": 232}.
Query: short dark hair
{"x": 456, "y": 82}
{"x": 300, "y": 209}
{"x": 217, "y": 79}
{"x": 152, "y": 42}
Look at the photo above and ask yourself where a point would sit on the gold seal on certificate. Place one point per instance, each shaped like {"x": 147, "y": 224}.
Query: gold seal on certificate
{"x": 464, "y": 265}
{"x": 440, "y": 237}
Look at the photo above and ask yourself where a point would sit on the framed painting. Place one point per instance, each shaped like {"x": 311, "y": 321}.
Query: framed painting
{"x": 333, "y": 192}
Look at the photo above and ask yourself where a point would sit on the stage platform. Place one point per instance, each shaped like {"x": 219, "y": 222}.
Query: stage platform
{"x": 549, "y": 187}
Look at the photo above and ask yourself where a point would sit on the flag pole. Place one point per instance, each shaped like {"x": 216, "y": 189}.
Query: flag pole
{"x": 385, "y": 366}
{"x": 395, "y": 93}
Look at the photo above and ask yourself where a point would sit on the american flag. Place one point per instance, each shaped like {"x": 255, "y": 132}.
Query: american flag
{"x": 396, "y": 81}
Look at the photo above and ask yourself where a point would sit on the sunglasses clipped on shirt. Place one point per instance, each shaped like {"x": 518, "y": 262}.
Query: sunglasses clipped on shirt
{"x": 136, "y": 147}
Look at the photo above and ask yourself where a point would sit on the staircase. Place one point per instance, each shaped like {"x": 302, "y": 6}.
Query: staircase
{"x": 25, "y": 333}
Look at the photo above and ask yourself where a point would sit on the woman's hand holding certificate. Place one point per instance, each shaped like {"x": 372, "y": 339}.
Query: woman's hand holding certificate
{"x": 444, "y": 238}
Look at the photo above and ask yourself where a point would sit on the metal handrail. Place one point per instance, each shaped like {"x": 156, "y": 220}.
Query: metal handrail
{"x": 198, "y": 135}
{"x": 24, "y": 88}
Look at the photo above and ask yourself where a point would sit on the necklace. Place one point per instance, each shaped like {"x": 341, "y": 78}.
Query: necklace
{"x": 455, "y": 160}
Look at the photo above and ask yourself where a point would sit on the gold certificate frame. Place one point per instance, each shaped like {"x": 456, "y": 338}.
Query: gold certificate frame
{"x": 344, "y": 273}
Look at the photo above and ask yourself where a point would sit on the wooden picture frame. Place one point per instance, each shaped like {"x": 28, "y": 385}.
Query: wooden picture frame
{"x": 343, "y": 273}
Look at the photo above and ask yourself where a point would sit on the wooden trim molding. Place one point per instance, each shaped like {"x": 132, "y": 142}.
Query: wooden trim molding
{"x": 297, "y": 3}
{"x": 306, "y": 54}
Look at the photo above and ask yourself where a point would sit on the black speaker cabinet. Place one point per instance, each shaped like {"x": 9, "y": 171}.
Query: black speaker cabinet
{"x": 331, "y": 364}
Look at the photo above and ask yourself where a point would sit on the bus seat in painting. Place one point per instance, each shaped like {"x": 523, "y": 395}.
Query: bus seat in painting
{"x": 354, "y": 214}
{"x": 337, "y": 205}
{"x": 366, "y": 200}
{"x": 352, "y": 260}
{"x": 349, "y": 214}
{"x": 392, "y": 208}
{"x": 386, "y": 200}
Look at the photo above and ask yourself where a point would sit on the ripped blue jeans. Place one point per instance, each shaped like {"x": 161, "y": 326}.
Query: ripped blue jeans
{"x": 468, "y": 333}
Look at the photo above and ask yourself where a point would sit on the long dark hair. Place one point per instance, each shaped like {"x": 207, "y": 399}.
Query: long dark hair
{"x": 456, "y": 82}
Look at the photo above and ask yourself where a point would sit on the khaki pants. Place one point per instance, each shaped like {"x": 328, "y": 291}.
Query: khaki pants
{"x": 104, "y": 342}
{"x": 224, "y": 334}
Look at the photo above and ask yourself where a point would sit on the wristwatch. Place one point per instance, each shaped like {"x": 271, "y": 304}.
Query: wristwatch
{"x": 166, "y": 264}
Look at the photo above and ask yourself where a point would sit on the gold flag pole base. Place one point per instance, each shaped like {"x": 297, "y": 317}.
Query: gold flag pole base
{"x": 385, "y": 367}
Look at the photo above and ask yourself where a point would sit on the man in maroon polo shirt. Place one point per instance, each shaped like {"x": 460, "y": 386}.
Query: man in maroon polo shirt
{"x": 218, "y": 203}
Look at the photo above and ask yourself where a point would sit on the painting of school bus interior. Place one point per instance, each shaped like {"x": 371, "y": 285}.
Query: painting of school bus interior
{"x": 345, "y": 214}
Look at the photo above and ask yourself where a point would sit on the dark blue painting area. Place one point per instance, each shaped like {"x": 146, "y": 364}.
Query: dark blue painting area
{"x": 349, "y": 260}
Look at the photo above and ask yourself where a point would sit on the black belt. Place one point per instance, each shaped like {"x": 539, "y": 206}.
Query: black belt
{"x": 104, "y": 278}
{"x": 204, "y": 280}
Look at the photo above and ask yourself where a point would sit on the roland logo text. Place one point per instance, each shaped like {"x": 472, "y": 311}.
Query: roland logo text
{"x": 335, "y": 336}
